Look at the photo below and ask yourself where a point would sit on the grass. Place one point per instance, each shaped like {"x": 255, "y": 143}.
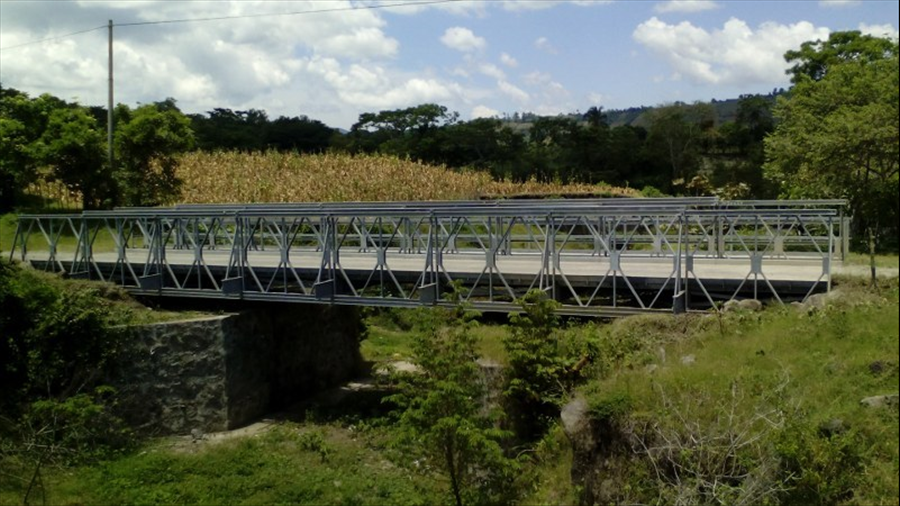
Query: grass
{"x": 810, "y": 366}
{"x": 292, "y": 463}
{"x": 881, "y": 261}
{"x": 391, "y": 331}
{"x": 807, "y": 369}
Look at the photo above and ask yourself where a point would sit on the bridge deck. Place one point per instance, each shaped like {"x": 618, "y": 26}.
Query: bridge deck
{"x": 608, "y": 258}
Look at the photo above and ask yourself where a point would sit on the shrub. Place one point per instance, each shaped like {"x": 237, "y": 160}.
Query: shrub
{"x": 443, "y": 413}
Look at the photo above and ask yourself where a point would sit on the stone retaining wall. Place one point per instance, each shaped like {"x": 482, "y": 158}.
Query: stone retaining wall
{"x": 221, "y": 372}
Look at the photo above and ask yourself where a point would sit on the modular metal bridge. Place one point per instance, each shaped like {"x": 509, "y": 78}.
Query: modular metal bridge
{"x": 601, "y": 257}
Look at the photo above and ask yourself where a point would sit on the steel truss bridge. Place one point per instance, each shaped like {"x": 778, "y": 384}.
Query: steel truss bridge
{"x": 601, "y": 257}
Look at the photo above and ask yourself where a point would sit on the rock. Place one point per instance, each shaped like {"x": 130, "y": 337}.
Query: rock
{"x": 650, "y": 369}
{"x": 197, "y": 435}
{"x": 395, "y": 366}
{"x": 879, "y": 401}
{"x": 879, "y": 366}
{"x": 820, "y": 300}
{"x": 832, "y": 427}
{"x": 688, "y": 359}
{"x": 730, "y": 305}
{"x": 742, "y": 305}
{"x": 750, "y": 305}
{"x": 576, "y": 422}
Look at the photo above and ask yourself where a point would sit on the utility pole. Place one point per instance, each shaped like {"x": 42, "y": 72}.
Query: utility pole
{"x": 109, "y": 105}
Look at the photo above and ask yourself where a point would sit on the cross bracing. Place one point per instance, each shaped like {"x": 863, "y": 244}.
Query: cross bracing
{"x": 595, "y": 256}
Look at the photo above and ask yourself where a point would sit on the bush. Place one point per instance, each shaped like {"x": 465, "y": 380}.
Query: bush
{"x": 443, "y": 413}
{"x": 544, "y": 365}
{"x": 819, "y": 466}
{"x": 58, "y": 347}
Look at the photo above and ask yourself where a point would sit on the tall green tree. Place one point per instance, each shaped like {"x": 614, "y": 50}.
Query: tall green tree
{"x": 675, "y": 135}
{"x": 403, "y": 132}
{"x": 443, "y": 411}
{"x": 838, "y": 138}
{"x": 22, "y": 122}
{"x": 75, "y": 149}
{"x": 146, "y": 146}
{"x": 815, "y": 58}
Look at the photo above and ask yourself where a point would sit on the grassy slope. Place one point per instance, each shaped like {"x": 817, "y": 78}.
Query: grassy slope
{"x": 806, "y": 369}
{"x": 293, "y": 463}
{"x": 822, "y": 359}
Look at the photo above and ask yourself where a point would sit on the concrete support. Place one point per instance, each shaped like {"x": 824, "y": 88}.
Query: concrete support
{"x": 221, "y": 372}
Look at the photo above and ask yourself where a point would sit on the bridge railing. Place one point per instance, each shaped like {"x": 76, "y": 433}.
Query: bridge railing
{"x": 647, "y": 254}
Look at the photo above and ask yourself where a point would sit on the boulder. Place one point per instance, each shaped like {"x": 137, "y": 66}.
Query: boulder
{"x": 881, "y": 401}
{"x": 742, "y": 305}
{"x": 576, "y": 421}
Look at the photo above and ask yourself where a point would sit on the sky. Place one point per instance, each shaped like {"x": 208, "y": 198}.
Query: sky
{"x": 332, "y": 60}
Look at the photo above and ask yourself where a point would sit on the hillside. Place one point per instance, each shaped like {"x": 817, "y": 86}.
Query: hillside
{"x": 743, "y": 407}
{"x": 637, "y": 116}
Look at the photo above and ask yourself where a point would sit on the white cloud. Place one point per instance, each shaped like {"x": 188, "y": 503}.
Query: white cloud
{"x": 597, "y": 98}
{"x": 462, "y": 39}
{"x": 685, "y": 6}
{"x": 508, "y": 60}
{"x": 885, "y": 30}
{"x": 512, "y": 91}
{"x": 839, "y": 3}
{"x": 537, "y": 78}
{"x": 483, "y": 111}
{"x": 492, "y": 70}
{"x": 366, "y": 42}
{"x": 543, "y": 43}
{"x": 526, "y": 5}
{"x": 732, "y": 55}
{"x": 323, "y": 65}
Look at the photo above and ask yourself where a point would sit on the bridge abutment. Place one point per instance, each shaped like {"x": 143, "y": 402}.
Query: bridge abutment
{"x": 221, "y": 372}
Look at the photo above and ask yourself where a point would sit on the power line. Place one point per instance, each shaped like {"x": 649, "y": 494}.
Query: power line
{"x": 242, "y": 16}
{"x": 294, "y": 13}
{"x": 48, "y": 39}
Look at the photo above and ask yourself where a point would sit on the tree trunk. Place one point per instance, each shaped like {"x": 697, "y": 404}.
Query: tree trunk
{"x": 874, "y": 281}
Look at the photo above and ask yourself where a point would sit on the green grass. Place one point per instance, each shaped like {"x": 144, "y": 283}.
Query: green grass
{"x": 391, "y": 332}
{"x": 288, "y": 464}
{"x": 804, "y": 368}
{"x": 811, "y": 367}
{"x": 880, "y": 260}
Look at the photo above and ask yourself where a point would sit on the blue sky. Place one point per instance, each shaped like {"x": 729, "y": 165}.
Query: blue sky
{"x": 479, "y": 58}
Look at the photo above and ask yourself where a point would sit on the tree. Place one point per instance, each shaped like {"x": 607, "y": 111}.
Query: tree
{"x": 403, "y": 132}
{"x": 22, "y": 122}
{"x": 541, "y": 366}
{"x": 814, "y": 58}
{"x": 443, "y": 409}
{"x": 838, "y": 138}
{"x": 146, "y": 147}
{"x": 75, "y": 149}
{"x": 675, "y": 135}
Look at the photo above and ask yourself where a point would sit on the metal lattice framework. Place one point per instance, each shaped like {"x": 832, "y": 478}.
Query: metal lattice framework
{"x": 595, "y": 256}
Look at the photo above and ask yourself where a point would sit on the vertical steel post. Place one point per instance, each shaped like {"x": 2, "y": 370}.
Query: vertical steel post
{"x": 679, "y": 300}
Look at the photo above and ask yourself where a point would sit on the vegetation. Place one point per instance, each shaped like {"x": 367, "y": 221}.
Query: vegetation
{"x": 287, "y": 177}
{"x": 729, "y": 408}
{"x": 765, "y": 409}
{"x": 443, "y": 410}
{"x": 542, "y": 366}
{"x": 837, "y": 134}
{"x": 48, "y": 139}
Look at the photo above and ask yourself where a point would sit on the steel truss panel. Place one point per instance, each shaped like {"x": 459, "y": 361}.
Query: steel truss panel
{"x": 592, "y": 255}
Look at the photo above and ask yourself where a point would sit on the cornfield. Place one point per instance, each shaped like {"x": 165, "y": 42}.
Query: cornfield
{"x": 231, "y": 177}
